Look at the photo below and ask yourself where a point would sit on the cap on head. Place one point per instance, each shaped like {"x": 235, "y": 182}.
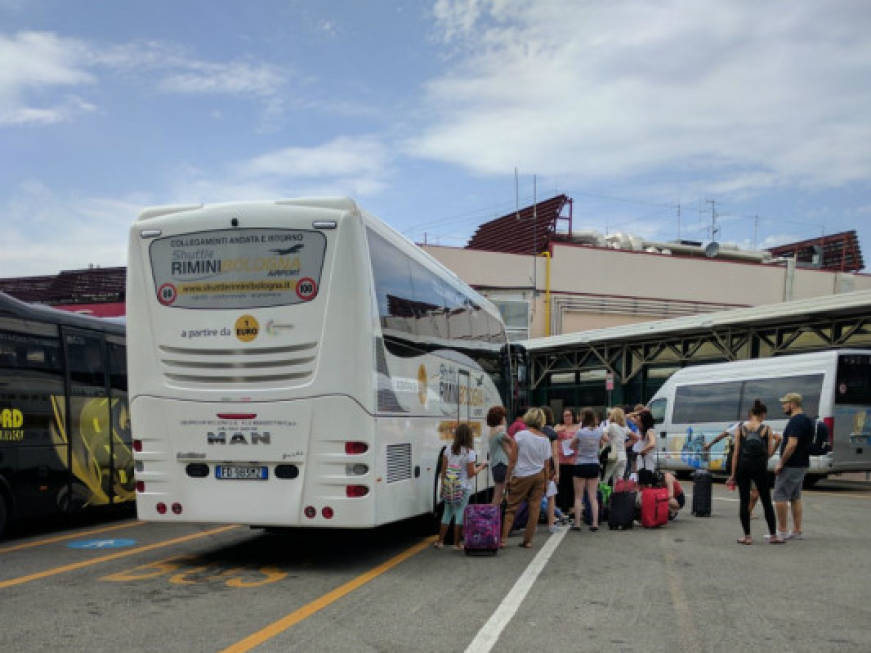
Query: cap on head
{"x": 791, "y": 397}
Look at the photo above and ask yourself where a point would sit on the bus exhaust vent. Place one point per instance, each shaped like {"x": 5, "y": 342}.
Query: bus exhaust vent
{"x": 398, "y": 462}
{"x": 225, "y": 367}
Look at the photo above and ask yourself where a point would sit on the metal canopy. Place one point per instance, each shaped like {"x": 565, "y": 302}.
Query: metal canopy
{"x": 628, "y": 351}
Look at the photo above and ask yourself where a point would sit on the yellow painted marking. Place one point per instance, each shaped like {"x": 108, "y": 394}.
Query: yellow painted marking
{"x": 306, "y": 611}
{"x": 688, "y": 635}
{"x": 181, "y": 578}
{"x": 149, "y": 570}
{"x": 112, "y": 556}
{"x": 72, "y": 536}
{"x": 273, "y": 575}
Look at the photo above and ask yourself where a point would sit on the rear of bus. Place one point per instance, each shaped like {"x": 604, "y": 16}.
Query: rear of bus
{"x": 850, "y": 425}
{"x": 250, "y": 364}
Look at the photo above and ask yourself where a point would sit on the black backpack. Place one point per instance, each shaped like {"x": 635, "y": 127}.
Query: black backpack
{"x": 754, "y": 444}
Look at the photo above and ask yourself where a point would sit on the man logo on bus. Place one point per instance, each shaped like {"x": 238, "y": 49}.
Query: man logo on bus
{"x": 167, "y": 294}
{"x": 247, "y": 328}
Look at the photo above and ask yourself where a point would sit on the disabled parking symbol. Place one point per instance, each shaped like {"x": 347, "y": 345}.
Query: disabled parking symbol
{"x": 99, "y": 545}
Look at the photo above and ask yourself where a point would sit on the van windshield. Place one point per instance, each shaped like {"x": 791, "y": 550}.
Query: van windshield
{"x": 854, "y": 379}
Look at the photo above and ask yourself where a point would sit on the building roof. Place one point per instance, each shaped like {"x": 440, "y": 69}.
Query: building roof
{"x": 10, "y": 306}
{"x": 527, "y": 231}
{"x": 840, "y": 252}
{"x": 854, "y": 302}
{"x": 88, "y": 286}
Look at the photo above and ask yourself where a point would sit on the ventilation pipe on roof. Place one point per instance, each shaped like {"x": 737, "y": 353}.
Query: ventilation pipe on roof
{"x": 589, "y": 237}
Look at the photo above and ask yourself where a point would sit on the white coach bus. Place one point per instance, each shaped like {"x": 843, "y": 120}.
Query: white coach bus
{"x": 298, "y": 363}
{"x": 697, "y": 403}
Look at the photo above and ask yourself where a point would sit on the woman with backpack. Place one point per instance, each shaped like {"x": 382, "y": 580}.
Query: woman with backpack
{"x": 753, "y": 447}
{"x": 458, "y": 470}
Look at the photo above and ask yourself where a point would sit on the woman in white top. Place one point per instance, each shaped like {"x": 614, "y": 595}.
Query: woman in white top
{"x": 647, "y": 448}
{"x": 526, "y": 469}
{"x": 617, "y": 434}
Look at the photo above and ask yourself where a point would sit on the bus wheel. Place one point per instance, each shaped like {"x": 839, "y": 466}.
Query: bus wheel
{"x": 810, "y": 480}
{"x": 72, "y": 500}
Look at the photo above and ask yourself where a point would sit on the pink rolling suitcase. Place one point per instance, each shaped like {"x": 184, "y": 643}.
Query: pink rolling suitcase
{"x": 482, "y": 529}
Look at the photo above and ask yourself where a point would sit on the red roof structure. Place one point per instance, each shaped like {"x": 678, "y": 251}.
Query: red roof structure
{"x": 527, "y": 231}
{"x": 839, "y": 252}
{"x": 89, "y": 286}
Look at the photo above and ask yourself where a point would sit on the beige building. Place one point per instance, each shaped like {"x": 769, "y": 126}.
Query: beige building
{"x": 610, "y": 281}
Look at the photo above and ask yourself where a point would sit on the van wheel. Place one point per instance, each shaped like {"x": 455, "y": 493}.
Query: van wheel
{"x": 810, "y": 480}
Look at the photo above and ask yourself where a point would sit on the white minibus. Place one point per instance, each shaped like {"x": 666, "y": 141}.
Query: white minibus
{"x": 697, "y": 403}
{"x": 298, "y": 363}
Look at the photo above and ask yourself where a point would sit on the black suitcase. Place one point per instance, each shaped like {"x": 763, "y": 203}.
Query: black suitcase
{"x": 702, "y": 493}
{"x": 622, "y": 513}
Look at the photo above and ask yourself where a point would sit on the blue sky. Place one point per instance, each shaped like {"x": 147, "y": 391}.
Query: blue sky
{"x": 422, "y": 110}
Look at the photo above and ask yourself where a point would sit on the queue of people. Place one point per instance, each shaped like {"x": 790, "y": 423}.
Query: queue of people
{"x": 539, "y": 465}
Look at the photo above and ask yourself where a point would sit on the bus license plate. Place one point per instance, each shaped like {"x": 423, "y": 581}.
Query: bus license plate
{"x": 241, "y": 472}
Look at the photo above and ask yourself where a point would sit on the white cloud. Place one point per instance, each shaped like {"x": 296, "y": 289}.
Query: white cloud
{"x": 342, "y": 156}
{"x": 34, "y": 64}
{"x": 346, "y": 166}
{"x": 744, "y": 94}
{"x": 30, "y": 61}
{"x": 45, "y": 233}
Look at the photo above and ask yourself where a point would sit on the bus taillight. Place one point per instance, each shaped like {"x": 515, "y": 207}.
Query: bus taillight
{"x": 356, "y": 448}
{"x": 176, "y": 508}
{"x": 356, "y": 491}
{"x": 310, "y": 512}
{"x": 327, "y": 512}
{"x": 137, "y": 445}
{"x": 830, "y": 424}
{"x": 140, "y": 486}
{"x": 161, "y": 508}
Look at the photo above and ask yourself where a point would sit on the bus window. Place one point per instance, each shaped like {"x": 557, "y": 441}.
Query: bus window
{"x": 117, "y": 369}
{"x": 854, "y": 380}
{"x": 711, "y": 402}
{"x": 85, "y": 360}
{"x": 769, "y": 392}
{"x": 30, "y": 377}
{"x": 657, "y": 409}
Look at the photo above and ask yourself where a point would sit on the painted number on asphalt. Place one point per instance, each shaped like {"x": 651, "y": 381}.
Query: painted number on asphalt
{"x": 194, "y": 571}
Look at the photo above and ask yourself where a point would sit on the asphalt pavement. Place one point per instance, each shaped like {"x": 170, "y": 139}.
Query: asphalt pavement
{"x": 156, "y": 587}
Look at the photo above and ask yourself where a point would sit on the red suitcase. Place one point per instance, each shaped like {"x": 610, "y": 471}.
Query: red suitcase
{"x": 654, "y": 507}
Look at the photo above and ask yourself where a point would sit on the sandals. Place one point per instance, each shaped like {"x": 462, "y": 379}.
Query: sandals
{"x": 438, "y": 545}
{"x": 526, "y": 545}
{"x": 776, "y": 539}
{"x": 747, "y": 540}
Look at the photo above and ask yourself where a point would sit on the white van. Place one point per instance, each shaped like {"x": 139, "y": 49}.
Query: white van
{"x": 698, "y": 403}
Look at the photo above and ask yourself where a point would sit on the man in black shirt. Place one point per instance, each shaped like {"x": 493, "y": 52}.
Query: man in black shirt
{"x": 793, "y": 464}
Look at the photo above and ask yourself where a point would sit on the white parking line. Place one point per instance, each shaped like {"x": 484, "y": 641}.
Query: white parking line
{"x": 487, "y": 637}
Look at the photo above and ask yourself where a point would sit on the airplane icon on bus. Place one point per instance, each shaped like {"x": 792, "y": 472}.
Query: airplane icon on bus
{"x": 289, "y": 250}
